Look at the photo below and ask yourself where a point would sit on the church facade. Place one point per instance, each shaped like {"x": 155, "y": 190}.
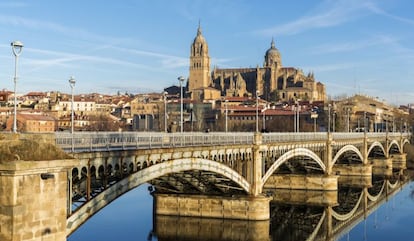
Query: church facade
{"x": 272, "y": 82}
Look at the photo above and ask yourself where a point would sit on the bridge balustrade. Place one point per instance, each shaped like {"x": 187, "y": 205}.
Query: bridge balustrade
{"x": 294, "y": 137}
{"x": 112, "y": 141}
{"x": 347, "y": 135}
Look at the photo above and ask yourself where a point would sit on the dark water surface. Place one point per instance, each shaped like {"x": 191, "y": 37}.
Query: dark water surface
{"x": 129, "y": 218}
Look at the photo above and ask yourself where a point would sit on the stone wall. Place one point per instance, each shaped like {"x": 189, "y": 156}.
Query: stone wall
{"x": 33, "y": 200}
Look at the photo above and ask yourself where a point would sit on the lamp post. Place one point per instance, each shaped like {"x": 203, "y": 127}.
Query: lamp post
{"x": 181, "y": 79}
{"x": 226, "y": 103}
{"x": 365, "y": 121}
{"x": 264, "y": 118}
{"x": 298, "y": 116}
{"x": 17, "y": 48}
{"x": 393, "y": 124}
{"x": 347, "y": 119}
{"x": 329, "y": 118}
{"x": 72, "y": 83}
{"x": 257, "y": 111}
{"x": 165, "y": 111}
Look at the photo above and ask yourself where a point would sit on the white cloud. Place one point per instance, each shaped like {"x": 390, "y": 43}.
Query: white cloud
{"x": 329, "y": 13}
{"x": 355, "y": 45}
{"x": 20, "y": 22}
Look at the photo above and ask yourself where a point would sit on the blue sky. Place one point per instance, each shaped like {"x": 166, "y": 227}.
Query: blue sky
{"x": 352, "y": 46}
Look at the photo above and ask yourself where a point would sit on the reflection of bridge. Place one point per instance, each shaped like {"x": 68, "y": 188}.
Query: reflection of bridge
{"x": 220, "y": 175}
{"x": 289, "y": 219}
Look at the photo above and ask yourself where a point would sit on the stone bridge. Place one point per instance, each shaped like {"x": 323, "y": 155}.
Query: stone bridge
{"x": 220, "y": 175}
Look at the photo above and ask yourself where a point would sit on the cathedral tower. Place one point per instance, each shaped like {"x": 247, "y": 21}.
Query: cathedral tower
{"x": 199, "y": 63}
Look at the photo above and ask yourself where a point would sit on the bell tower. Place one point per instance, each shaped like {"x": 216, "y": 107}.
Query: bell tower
{"x": 199, "y": 63}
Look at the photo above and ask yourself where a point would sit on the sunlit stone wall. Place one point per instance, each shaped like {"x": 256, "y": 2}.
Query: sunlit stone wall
{"x": 33, "y": 200}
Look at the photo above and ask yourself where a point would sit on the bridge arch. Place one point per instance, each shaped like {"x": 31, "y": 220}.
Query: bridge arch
{"x": 376, "y": 196}
{"x": 393, "y": 142}
{"x": 346, "y": 216}
{"x": 345, "y": 149}
{"x": 293, "y": 153}
{"x": 146, "y": 175}
{"x": 405, "y": 141}
{"x": 377, "y": 144}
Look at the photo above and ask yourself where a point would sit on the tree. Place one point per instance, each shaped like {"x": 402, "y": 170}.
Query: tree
{"x": 102, "y": 122}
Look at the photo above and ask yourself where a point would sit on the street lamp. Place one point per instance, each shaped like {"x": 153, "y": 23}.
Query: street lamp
{"x": 365, "y": 121}
{"x": 72, "y": 83}
{"x": 226, "y": 103}
{"x": 181, "y": 79}
{"x": 264, "y": 118}
{"x": 329, "y": 118}
{"x": 347, "y": 120}
{"x": 257, "y": 111}
{"x": 165, "y": 111}
{"x": 17, "y": 48}
{"x": 298, "y": 116}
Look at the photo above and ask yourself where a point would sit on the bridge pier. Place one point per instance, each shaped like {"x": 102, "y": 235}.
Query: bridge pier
{"x": 355, "y": 181}
{"x": 304, "y": 197}
{"x": 399, "y": 161}
{"x": 303, "y": 182}
{"x": 33, "y": 200}
{"x": 234, "y": 207}
{"x": 353, "y": 170}
{"x": 382, "y": 162}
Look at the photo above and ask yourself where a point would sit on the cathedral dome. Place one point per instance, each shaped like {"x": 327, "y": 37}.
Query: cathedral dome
{"x": 272, "y": 56}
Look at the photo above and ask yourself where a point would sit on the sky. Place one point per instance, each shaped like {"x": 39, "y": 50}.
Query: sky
{"x": 137, "y": 46}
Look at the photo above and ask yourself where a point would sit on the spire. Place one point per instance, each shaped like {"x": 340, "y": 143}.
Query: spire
{"x": 273, "y": 43}
{"x": 199, "y": 28}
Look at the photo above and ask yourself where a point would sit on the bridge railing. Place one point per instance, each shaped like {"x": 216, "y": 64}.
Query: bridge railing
{"x": 347, "y": 135}
{"x": 293, "y": 137}
{"x": 107, "y": 141}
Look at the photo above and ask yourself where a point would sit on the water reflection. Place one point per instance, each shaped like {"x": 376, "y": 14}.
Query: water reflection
{"x": 295, "y": 215}
{"x": 169, "y": 228}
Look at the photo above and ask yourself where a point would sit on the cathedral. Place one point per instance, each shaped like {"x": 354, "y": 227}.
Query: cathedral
{"x": 272, "y": 82}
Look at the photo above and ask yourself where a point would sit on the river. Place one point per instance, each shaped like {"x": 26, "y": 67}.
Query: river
{"x": 130, "y": 218}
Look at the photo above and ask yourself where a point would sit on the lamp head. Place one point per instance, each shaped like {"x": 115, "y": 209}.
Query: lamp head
{"x": 181, "y": 79}
{"x": 72, "y": 81}
{"x": 17, "y": 47}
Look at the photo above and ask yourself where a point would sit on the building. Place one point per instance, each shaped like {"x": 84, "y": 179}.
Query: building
{"x": 363, "y": 113}
{"x": 272, "y": 82}
{"x": 33, "y": 122}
